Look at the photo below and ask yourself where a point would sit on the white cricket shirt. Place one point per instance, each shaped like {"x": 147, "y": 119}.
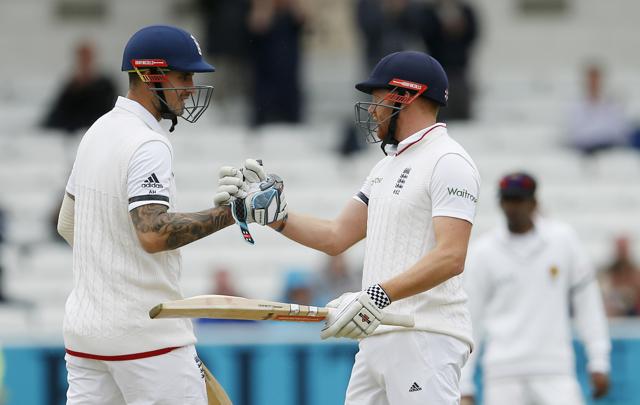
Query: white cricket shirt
{"x": 428, "y": 175}
{"x": 520, "y": 289}
{"x": 123, "y": 161}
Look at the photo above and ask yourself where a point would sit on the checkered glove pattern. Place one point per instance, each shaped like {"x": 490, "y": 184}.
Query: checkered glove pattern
{"x": 378, "y": 296}
{"x": 355, "y": 316}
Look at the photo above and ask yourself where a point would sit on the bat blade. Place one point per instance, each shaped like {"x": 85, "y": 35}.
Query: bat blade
{"x": 230, "y": 307}
{"x": 216, "y": 395}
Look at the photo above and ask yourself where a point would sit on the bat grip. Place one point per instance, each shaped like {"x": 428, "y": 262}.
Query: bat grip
{"x": 397, "y": 320}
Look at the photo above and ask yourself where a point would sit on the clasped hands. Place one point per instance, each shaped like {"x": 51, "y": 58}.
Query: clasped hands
{"x": 254, "y": 196}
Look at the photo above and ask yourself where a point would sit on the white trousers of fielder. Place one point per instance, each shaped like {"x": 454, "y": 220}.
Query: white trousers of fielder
{"x": 533, "y": 390}
{"x": 168, "y": 379}
{"x": 407, "y": 368}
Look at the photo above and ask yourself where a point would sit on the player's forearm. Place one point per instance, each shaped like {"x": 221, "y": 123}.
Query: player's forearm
{"x": 592, "y": 326}
{"x": 318, "y": 234}
{"x": 159, "y": 230}
{"x": 434, "y": 268}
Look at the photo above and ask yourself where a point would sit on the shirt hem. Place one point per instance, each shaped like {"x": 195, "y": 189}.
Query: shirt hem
{"x": 452, "y": 214}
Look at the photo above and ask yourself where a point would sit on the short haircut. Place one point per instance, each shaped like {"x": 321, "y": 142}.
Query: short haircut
{"x": 134, "y": 79}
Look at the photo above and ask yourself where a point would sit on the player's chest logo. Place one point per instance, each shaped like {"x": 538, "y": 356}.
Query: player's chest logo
{"x": 401, "y": 181}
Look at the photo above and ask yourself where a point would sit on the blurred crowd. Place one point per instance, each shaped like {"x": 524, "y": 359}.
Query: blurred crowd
{"x": 264, "y": 40}
{"x": 299, "y": 285}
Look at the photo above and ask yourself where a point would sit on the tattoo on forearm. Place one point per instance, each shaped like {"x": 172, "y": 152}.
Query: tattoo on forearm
{"x": 179, "y": 229}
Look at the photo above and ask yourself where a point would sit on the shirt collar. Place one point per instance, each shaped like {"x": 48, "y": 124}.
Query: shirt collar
{"x": 138, "y": 110}
{"x": 413, "y": 139}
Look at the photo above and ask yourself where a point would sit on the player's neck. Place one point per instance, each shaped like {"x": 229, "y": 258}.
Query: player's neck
{"x": 146, "y": 102}
{"x": 411, "y": 125}
{"x": 520, "y": 229}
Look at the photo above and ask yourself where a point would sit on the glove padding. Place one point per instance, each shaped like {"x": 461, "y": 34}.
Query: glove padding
{"x": 230, "y": 184}
{"x": 264, "y": 204}
{"x": 355, "y": 316}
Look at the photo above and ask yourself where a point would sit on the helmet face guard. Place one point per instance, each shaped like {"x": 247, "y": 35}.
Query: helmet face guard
{"x": 367, "y": 123}
{"x": 199, "y": 100}
{"x": 399, "y": 96}
{"x": 154, "y": 71}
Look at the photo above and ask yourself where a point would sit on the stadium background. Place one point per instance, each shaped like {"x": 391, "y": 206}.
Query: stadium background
{"x": 527, "y": 72}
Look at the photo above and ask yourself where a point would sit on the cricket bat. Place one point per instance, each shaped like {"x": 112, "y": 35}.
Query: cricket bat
{"x": 230, "y": 307}
{"x": 216, "y": 395}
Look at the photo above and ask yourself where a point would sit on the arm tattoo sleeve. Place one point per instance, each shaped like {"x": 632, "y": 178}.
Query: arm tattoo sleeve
{"x": 179, "y": 229}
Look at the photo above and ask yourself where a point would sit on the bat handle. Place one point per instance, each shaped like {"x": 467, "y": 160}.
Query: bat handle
{"x": 398, "y": 320}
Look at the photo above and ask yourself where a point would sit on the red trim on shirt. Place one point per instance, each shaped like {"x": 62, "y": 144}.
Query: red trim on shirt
{"x": 123, "y": 357}
{"x": 419, "y": 139}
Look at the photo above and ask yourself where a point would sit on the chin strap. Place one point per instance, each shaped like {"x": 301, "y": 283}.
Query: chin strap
{"x": 165, "y": 112}
{"x": 390, "y": 139}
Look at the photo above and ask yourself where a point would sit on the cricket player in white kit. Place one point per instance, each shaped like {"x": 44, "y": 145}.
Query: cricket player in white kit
{"x": 416, "y": 210}
{"x": 522, "y": 279}
{"x": 117, "y": 215}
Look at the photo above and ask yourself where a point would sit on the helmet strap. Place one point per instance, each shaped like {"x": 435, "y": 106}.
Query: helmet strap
{"x": 165, "y": 111}
{"x": 390, "y": 139}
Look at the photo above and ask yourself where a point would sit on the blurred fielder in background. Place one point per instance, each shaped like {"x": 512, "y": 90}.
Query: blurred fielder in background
{"x": 116, "y": 216}
{"x": 522, "y": 279}
{"x": 415, "y": 208}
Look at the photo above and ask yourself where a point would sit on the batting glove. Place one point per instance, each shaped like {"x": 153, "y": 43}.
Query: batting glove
{"x": 264, "y": 204}
{"x": 356, "y": 314}
{"x": 253, "y": 172}
{"x": 230, "y": 184}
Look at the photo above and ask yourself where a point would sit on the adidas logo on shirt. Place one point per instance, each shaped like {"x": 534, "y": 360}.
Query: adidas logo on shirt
{"x": 152, "y": 182}
{"x": 415, "y": 387}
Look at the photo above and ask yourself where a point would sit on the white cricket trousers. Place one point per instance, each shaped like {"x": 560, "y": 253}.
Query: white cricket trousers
{"x": 407, "y": 368}
{"x": 174, "y": 378}
{"x": 533, "y": 390}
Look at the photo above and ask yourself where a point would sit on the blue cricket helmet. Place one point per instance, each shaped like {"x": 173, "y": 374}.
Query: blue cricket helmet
{"x": 177, "y": 47}
{"x": 412, "y": 66}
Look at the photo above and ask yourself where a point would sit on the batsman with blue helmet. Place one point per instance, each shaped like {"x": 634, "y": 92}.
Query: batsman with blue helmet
{"x": 415, "y": 209}
{"x": 119, "y": 215}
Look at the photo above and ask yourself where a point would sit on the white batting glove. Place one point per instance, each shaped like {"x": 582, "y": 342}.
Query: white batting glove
{"x": 264, "y": 204}
{"x": 356, "y": 314}
{"x": 253, "y": 172}
{"x": 230, "y": 184}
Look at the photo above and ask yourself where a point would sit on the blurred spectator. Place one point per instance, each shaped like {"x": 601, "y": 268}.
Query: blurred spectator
{"x": 227, "y": 42}
{"x": 297, "y": 288}
{"x": 621, "y": 282}
{"x": 351, "y": 140}
{"x": 596, "y": 123}
{"x": 449, "y": 31}
{"x": 223, "y": 283}
{"x": 334, "y": 280}
{"x": 521, "y": 279}
{"x": 385, "y": 26}
{"x": 275, "y": 28}
{"x": 85, "y": 97}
